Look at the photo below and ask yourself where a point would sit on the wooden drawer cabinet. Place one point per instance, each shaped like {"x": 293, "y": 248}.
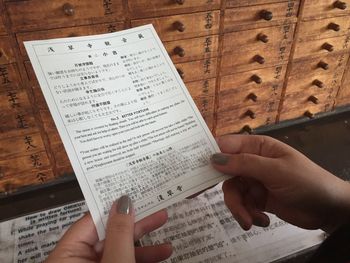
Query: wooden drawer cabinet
{"x": 238, "y": 119}
{"x": 67, "y": 32}
{"x": 197, "y": 70}
{"x": 308, "y": 99}
{"x": 183, "y": 26}
{"x": 324, "y": 28}
{"x": 260, "y": 16}
{"x": 38, "y": 14}
{"x": 258, "y": 39}
{"x": 9, "y": 77}
{"x": 193, "y": 48}
{"x": 314, "y": 9}
{"x": 321, "y": 47}
{"x": 7, "y": 55}
{"x": 145, "y": 8}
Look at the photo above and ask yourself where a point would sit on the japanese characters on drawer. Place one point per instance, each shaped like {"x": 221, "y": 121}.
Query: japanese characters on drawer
{"x": 246, "y": 64}
{"x": 126, "y": 119}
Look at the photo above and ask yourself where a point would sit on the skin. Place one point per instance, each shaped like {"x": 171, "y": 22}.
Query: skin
{"x": 270, "y": 176}
{"x": 80, "y": 243}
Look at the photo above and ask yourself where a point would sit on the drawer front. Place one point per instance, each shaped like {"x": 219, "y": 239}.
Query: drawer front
{"x": 257, "y": 39}
{"x": 14, "y": 100}
{"x": 205, "y": 104}
{"x": 235, "y": 3}
{"x": 183, "y": 26}
{"x": 197, "y": 70}
{"x": 2, "y": 26}
{"x": 202, "y": 88}
{"x": 17, "y": 123}
{"x": 145, "y": 8}
{"x": 26, "y": 144}
{"x": 260, "y": 16}
{"x": 32, "y": 13}
{"x": 258, "y": 79}
{"x": 266, "y": 96}
{"x": 235, "y": 120}
{"x": 324, "y": 28}
{"x": 247, "y": 59}
{"x": 303, "y": 112}
{"x": 308, "y": 98}
{"x": 9, "y": 77}
{"x": 6, "y": 53}
{"x": 321, "y": 47}
{"x": 67, "y": 32}
{"x": 193, "y": 49}
{"x": 314, "y": 9}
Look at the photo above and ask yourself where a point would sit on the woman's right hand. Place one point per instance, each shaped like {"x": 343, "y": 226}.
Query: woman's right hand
{"x": 271, "y": 176}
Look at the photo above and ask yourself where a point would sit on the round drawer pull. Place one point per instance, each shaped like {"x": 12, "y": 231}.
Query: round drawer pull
{"x": 259, "y": 59}
{"x": 266, "y": 15}
{"x": 68, "y": 9}
{"x": 179, "y": 26}
{"x": 328, "y": 47}
{"x": 313, "y": 99}
{"x": 246, "y": 130}
{"x": 250, "y": 114}
{"x": 180, "y": 2}
{"x": 252, "y": 97}
{"x": 309, "y": 114}
{"x": 340, "y": 5}
{"x": 333, "y": 26}
{"x": 179, "y": 51}
{"x": 323, "y": 65}
{"x": 181, "y": 73}
{"x": 256, "y": 79}
{"x": 263, "y": 38}
{"x": 318, "y": 83}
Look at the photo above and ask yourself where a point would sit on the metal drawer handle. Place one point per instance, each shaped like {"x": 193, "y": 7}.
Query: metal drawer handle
{"x": 313, "y": 99}
{"x": 318, "y": 83}
{"x": 340, "y": 5}
{"x": 179, "y": 51}
{"x": 256, "y": 79}
{"x": 179, "y": 26}
{"x": 180, "y": 2}
{"x": 263, "y": 38}
{"x": 323, "y": 65}
{"x": 333, "y": 26}
{"x": 250, "y": 114}
{"x": 328, "y": 47}
{"x": 259, "y": 59}
{"x": 68, "y": 9}
{"x": 266, "y": 15}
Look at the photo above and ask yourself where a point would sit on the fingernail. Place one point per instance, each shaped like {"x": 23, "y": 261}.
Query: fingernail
{"x": 262, "y": 222}
{"x": 124, "y": 205}
{"x": 219, "y": 158}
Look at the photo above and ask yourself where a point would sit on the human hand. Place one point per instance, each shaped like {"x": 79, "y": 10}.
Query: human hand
{"x": 80, "y": 243}
{"x": 273, "y": 177}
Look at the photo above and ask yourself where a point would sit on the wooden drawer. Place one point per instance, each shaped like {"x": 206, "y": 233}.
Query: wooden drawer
{"x": 9, "y": 184}
{"x": 6, "y": 53}
{"x": 288, "y": 113}
{"x": 193, "y": 49}
{"x": 183, "y": 26}
{"x": 9, "y": 77}
{"x": 39, "y": 14}
{"x": 260, "y": 16}
{"x": 235, "y": 3}
{"x": 344, "y": 92}
{"x": 2, "y": 26}
{"x": 257, "y": 39}
{"x": 321, "y": 47}
{"x": 324, "y": 28}
{"x": 14, "y": 100}
{"x": 205, "y": 104}
{"x": 249, "y": 59}
{"x": 145, "y": 8}
{"x": 202, "y": 88}
{"x": 309, "y": 75}
{"x": 24, "y": 145}
{"x": 67, "y": 32}
{"x": 17, "y": 123}
{"x": 314, "y": 9}
{"x": 197, "y": 70}
{"x": 308, "y": 98}
{"x": 235, "y": 120}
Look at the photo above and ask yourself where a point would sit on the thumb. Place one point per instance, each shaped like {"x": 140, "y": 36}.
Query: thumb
{"x": 254, "y": 166}
{"x": 119, "y": 243}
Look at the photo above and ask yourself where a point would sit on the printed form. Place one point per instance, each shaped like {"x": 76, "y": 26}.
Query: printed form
{"x": 126, "y": 120}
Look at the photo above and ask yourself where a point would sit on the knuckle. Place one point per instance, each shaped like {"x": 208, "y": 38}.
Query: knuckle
{"x": 120, "y": 225}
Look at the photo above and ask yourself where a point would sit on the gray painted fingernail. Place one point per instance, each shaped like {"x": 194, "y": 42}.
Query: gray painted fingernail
{"x": 219, "y": 158}
{"x": 124, "y": 205}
